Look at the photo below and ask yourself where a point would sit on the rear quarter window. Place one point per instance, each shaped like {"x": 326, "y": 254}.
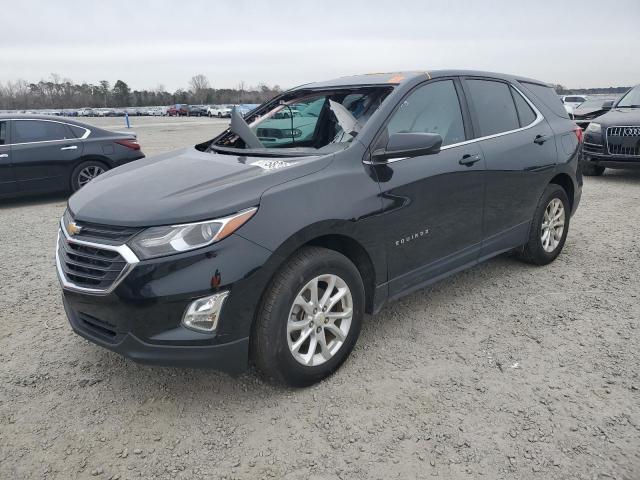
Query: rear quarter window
{"x": 3, "y": 133}
{"x": 548, "y": 97}
{"x": 79, "y": 132}
{"x": 525, "y": 113}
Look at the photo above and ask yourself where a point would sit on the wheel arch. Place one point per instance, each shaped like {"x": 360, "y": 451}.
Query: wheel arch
{"x": 356, "y": 253}
{"x": 83, "y": 159}
{"x": 333, "y": 236}
{"x": 564, "y": 180}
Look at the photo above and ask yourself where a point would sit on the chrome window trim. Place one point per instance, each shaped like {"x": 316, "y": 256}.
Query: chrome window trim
{"x": 539, "y": 118}
{"x": 124, "y": 251}
{"x": 86, "y": 134}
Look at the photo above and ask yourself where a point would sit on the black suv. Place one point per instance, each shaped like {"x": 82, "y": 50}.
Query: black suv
{"x": 374, "y": 186}
{"x": 612, "y": 140}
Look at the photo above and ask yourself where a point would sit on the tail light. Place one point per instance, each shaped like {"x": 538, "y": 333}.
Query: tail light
{"x": 579, "y": 134}
{"x": 132, "y": 144}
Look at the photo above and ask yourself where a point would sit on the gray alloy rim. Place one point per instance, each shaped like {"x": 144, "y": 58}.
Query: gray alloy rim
{"x": 89, "y": 173}
{"x": 319, "y": 320}
{"x": 552, "y": 225}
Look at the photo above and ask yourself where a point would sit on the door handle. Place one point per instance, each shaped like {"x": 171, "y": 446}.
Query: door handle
{"x": 540, "y": 139}
{"x": 4, "y": 155}
{"x": 70, "y": 147}
{"x": 469, "y": 160}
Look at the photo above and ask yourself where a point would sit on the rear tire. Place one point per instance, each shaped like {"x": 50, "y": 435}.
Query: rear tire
{"x": 549, "y": 227}
{"x": 297, "y": 339}
{"x": 85, "y": 172}
{"x": 591, "y": 170}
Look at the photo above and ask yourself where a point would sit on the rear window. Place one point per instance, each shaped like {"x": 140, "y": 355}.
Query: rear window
{"x": 548, "y": 96}
{"x": 494, "y": 106}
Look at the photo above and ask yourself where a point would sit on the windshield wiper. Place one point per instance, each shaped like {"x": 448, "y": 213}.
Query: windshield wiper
{"x": 262, "y": 152}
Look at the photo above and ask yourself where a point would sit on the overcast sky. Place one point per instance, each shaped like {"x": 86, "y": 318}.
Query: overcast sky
{"x": 148, "y": 43}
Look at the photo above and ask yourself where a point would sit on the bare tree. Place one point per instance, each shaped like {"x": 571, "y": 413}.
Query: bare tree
{"x": 198, "y": 85}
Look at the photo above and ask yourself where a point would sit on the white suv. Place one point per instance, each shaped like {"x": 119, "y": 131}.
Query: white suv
{"x": 218, "y": 111}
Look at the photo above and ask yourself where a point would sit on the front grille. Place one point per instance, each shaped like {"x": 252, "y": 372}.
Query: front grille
{"x": 89, "y": 267}
{"x": 624, "y": 141}
{"x": 94, "y": 232}
{"x": 271, "y": 133}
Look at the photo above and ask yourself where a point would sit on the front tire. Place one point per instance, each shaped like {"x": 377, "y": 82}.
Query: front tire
{"x": 309, "y": 319}
{"x": 591, "y": 170}
{"x": 549, "y": 227}
{"x": 85, "y": 172}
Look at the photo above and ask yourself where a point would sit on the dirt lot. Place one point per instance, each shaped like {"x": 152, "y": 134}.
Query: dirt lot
{"x": 504, "y": 371}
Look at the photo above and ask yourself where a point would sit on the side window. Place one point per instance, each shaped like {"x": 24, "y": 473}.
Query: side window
{"x": 494, "y": 106}
{"x": 525, "y": 112}
{"x": 547, "y": 95}
{"x": 3, "y": 133}
{"x": 432, "y": 108}
{"x": 38, "y": 131}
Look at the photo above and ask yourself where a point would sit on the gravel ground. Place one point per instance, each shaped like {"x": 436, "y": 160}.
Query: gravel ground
{"x": 503, "y": 371}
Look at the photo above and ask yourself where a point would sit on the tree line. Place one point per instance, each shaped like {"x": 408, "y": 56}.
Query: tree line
{"x": 562, "y": 90}
{"x": 61, "y": 93}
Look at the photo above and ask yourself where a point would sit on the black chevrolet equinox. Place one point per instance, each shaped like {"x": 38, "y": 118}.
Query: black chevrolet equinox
{"x": 269, "y": 243}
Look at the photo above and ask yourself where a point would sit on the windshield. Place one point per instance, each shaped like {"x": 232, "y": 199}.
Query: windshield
{"x": 313, "y": 120}
{"x": 631, "y": 99}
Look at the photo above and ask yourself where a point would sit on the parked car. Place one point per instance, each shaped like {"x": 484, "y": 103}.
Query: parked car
{"x": 155, "y": 111}
{"x": 612, "y": 140}
{"x": 234, "y": 250}
{"x": 39, "y": 154}
{"x": 177, "y": 110}
{"x": 196, "y": 111}
{"x": 573, "y": 101}
{"x": 592, "y": 108}
{"x": 219, "y": 111}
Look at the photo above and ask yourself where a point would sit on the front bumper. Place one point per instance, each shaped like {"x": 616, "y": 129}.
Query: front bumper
{"x": 141, "y": 318}
{"x": 231, "y": 357}
{"x": 612, "y": 161}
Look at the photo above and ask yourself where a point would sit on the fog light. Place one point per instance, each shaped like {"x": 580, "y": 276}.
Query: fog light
{"x": 203, "y": 314}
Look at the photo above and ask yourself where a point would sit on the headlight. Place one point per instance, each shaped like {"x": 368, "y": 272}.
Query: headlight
{"x": 594, "y": 127}
{"x": 160, "y": 241}
{"x": 286, "y": 133}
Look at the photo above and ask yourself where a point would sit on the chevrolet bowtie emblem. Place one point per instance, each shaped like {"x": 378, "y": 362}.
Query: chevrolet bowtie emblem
{"x": 73, "y": 228}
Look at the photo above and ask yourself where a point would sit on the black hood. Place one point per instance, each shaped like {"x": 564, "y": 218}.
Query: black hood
{"x": 184, "y": 186}
{"x": 624, "y": 117}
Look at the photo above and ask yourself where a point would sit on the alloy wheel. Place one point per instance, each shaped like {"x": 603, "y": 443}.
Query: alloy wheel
{"x": 552, "y": 225}
{"x": 319, "y": 320}
{"x": 89, "y": 173}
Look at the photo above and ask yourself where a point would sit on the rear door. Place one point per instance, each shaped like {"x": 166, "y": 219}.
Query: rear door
{"x": 44, "y": 152}
{"x": 7, "y": 182}
{"x": 434, "y": 203}
{"x": 520, "y": 152}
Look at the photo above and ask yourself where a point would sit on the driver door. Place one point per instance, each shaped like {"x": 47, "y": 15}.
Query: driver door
{"x": 433, "y": 203}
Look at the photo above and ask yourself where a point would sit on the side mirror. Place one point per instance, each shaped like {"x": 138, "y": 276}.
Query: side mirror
{"x": 608, "y": 105}
{"x": 401, "y": 145}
